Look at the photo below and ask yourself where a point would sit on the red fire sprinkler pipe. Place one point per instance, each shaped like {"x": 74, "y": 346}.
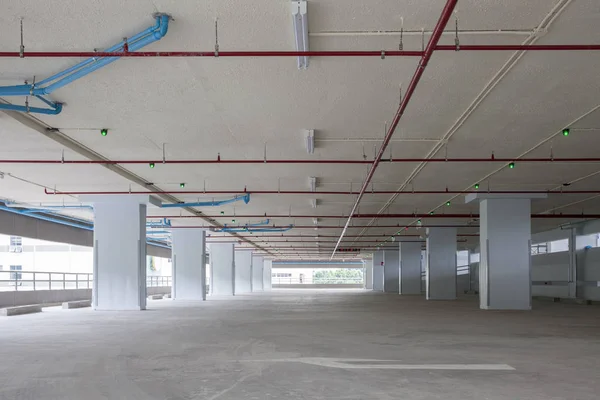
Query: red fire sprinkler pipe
{"x": 433, "y": 42}
{"x": 491, "y": 159}
{"x": 270, "y": 53}
{"x": 397, "y": 227}
{"x": 321, "y": 193}
{"x": 371, "y": 216}
{"x": 152, "y": 54}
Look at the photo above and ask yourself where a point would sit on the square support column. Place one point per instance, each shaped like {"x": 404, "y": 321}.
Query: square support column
{"x": 243, "y": 271}
{"x": 189, "y": 264}
{"x": 368, "y": 266}
{"x": 441, "y": 264}
{"x": 119, "y": 251}
{"x": 378, "y": 271}
{"x": 410, "y": 268}
{"x": 505, "y": 241}
{"x": 257, "y": 273}
{"x": 222, "y": 273}
{"x": 267, "y": 268}
{"x": 391, "y": 271}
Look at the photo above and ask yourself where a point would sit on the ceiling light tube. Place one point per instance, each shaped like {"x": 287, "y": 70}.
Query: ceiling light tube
{"x": 310, "y": 141}
{"x": 300, "y": 17}
{"x": 313, "y": 183}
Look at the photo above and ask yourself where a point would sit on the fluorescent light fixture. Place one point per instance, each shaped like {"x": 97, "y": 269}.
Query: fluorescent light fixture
{"x": 300, "y": 17}
{"x": 313, "y": 183}
{"x": 310, "y": 141}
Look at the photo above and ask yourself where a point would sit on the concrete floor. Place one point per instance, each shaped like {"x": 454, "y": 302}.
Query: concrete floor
{"x": 228, "y": 349}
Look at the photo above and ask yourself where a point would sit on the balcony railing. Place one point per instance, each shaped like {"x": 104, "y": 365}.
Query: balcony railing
{"x": 152, "y": 281}
{"x": 317, "y": 281}
{"x": 39, "y": 280}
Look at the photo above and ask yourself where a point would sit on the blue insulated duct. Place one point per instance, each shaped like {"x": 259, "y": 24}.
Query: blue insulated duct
{"x": 254, "y": 230}
{"x": 261, "y": 223}
{"x": 245, "y": 198}
{"x": 57, "y": 81}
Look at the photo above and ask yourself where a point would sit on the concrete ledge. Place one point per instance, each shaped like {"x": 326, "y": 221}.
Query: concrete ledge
{"x": 155, "y": 297}
{"x": 10, "y": 311}
{"x": 566, "y": 300}
{"x": 76, "y": 304}
{"x": 158, "y": 290}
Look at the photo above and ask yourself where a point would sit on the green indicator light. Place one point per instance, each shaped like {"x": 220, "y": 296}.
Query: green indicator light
{"x": 566, "y": 132}
{"x": 104, "y": 132}
{"x": 233, "y": 220}
{"x": 430, "y": 212}
{"x": 511, "y": 165}
{"x": 477, "y": 186}
{"x": 222, "y": 212}
{"x": 447, "y": 203}
{"x": 182, "y": 185}
{"x": 151, "y": 165}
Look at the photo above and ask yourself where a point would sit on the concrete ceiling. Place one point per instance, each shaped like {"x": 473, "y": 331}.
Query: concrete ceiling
{"x": 468, "y": 104}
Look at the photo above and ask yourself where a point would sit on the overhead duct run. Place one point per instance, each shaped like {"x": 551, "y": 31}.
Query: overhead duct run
{"x": 45, "y": 87}
{"x": 261, "y": 223}
{"x": 214, "y": 203}
{"x": 252, "y": 230}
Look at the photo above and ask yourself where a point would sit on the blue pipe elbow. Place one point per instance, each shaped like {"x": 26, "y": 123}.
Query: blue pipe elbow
{"x": 163, "y": 21}
{"x": 48, "y": 111}
{"x": 245, "y": 198}
{"x": 57, "y": 81}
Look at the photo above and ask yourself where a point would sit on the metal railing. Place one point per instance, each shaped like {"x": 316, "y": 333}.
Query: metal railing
{"x": 152, "y": 281}
{"x": 317, "y": 281}
{"x": 39, "y": 280}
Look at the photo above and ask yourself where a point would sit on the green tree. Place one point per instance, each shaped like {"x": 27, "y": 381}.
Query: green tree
{"x": 338, "y": 276}
{"x": 151, "y": 265}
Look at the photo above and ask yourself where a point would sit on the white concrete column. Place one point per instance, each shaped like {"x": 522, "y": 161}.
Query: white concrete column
{"x": 410, "y": 267}
{"x": 505, "y": 241}
{"x": 243, "y": 271}
{"x": 257, "y": 273}
{"x": 391, "y": 271}
{"x": 368, "y": 274}
{"x": 189, "y": 268}
{"x": 267, "y": 268}
{"x": 222, "y": 269}
{"x": 378, "y": 271}
{"x": 441, "y": 264}
{"x": 119, "y": 252}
